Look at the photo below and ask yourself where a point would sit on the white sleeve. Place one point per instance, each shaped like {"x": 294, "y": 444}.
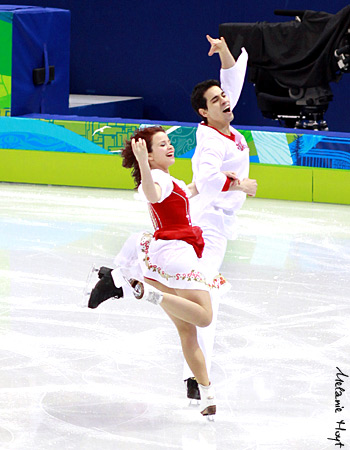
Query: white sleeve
{"x": 163, "y": 180}
{"x": 232, "y": 79}
{"x": 209, "y": 179}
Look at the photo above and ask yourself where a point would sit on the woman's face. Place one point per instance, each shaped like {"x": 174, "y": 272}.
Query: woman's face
{"x": 162, "y": 154}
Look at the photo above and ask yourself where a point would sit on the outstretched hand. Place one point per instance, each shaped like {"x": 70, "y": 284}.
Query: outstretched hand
{"x": 217, "y": 45}
{"x": 139, "y": 149}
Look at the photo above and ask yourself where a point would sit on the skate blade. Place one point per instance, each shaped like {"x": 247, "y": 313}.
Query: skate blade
{"x": 194, "y": 403}
{"x": 90, "y": 283}
{"x": 131, "y": 286}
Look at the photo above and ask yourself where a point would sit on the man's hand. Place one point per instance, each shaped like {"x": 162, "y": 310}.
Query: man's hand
{"x": 217, "y": 45}
{"x": 220, "y": 46}
{"x": 249, "y": 186}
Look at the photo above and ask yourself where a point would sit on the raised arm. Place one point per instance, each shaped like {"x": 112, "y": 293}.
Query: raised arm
{"x": 232, "y": 73}
{"x": 151, "y": 189}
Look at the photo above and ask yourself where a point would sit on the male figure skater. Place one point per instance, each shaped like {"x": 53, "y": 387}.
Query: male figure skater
{"x": 219, "y": 148}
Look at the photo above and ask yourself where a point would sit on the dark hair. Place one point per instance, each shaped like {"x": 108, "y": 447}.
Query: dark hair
{"x": 129, "y": 160}
{"x": 197, "y": 97}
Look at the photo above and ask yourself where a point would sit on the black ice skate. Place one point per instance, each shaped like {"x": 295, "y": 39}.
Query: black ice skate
{"x": 193, "y": 391}
{"x": 104, "y": 288}
{"x": 104, "y": 271}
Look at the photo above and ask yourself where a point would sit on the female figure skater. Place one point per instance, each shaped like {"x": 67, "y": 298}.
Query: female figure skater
{"x": 169, "y": 259}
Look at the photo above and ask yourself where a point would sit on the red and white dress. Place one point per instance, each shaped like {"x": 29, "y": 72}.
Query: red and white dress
{"x": 172, "y": 255}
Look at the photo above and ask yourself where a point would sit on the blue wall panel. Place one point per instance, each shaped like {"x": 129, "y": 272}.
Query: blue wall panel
{"x": 157, "y": 50}
{"x": 41, "y": 38}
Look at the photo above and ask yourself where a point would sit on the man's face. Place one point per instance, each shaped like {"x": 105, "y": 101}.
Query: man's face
{"x": 218, "y": 111}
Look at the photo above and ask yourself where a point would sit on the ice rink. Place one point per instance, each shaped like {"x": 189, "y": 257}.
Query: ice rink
{"x": 111, "y": 378}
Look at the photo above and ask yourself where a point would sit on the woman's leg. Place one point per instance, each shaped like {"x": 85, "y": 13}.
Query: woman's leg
{"x": 195, "y": 359}
{"x": 191, "y": 350}
{"x": 188, "y": 337}
{"x": 190, "y": 305}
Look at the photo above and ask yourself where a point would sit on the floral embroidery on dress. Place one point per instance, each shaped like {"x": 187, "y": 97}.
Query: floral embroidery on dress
{"x": 216, "y": 283}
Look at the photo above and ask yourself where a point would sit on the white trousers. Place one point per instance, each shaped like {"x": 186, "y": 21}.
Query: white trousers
{"x": 213, "y": 256}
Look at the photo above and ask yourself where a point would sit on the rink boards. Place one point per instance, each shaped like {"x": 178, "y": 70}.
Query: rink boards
{"x": 288, "y": 164}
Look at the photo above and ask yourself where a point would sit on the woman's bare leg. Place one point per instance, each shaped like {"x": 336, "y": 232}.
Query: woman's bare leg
{"x": 188, "y": 336}
{"x": 191, "y": 350}
{"x": 190, "y": 305}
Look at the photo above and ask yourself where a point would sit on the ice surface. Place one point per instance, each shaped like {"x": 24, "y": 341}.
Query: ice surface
{"x": 110, "y": 378}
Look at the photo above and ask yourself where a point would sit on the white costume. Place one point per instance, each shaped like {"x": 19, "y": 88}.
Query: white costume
{"x": 214, "y": 210}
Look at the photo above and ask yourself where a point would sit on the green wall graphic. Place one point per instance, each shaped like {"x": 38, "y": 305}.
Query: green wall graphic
{"x": 290, "y": 166}
{"x": 5, "y": 62}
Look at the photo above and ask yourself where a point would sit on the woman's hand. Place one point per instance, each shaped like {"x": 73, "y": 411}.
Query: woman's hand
{"x": 139, "y": 149}
{"x": 193, "y": 189}
{"x": 231, "y": 175}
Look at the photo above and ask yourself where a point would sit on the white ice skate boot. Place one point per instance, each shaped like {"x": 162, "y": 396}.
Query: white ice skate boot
{"x": 137, "y": 288}
{"x": 207, "y": 406}
{"x": 144, "y": 291}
